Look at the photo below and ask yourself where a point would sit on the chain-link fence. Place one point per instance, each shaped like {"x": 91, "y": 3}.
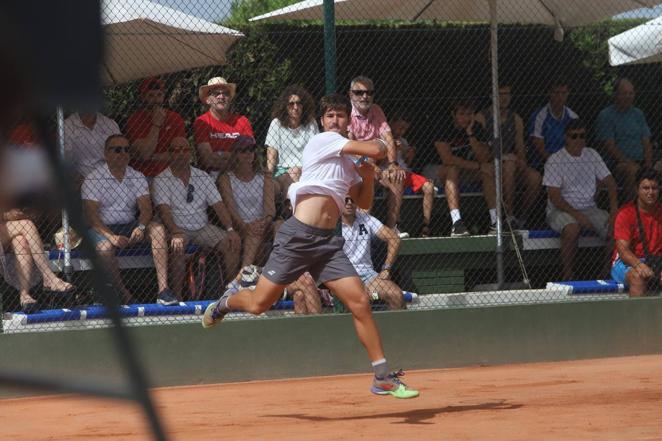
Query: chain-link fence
{"x": 184, "y": 175}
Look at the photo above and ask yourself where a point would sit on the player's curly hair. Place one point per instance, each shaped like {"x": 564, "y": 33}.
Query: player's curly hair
{"x": 279, "y": 109}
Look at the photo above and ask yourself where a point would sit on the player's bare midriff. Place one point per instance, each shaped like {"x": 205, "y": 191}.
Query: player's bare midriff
{"x": 317, "y": 211}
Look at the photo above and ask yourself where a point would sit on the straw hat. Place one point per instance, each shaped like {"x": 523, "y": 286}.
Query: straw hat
{"x": 216, "y": 83}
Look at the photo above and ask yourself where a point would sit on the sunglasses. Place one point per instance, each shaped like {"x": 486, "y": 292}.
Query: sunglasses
{"x": 189, "y": 193}
{"x": 581, "y": 135}
{"x": 248, "y": 149}
{"x": 180, "y": 149}
{"x": 120, "y": 149}
{"x": 218, "y": 92}
{"x": 363, "y": 92}
{"x": 294, "y": 103}
{"x": 349, "y": 201}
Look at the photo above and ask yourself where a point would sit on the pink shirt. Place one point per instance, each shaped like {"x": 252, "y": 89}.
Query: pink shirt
{"x": 366, "y": 128}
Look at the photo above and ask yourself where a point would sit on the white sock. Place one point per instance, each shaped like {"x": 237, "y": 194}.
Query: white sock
{"x": 492, "y": 216}
{"x": 455, "y": 215}
{"x": 381, "y": 368}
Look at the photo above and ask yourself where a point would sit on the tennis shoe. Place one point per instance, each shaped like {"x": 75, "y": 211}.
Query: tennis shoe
{"x": 249, "y": 276}
{"x": 213, "y": 313}
{"x": 459, "y": 229}
{"x": 392, "y": 385}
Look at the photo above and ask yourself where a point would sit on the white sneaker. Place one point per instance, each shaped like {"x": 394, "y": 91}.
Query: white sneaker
{"x": 249, "y": 276}
{"x": 401, "y": 234}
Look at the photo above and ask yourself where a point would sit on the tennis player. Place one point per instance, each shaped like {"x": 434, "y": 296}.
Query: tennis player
{"x": 311, "y": 241}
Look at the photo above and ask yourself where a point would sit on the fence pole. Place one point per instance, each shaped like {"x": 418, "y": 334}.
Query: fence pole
{"x": 330, "y": 46}
{"x": 497, "y": 139}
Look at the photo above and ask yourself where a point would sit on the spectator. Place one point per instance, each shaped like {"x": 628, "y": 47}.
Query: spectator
{"x": 570, "y": 177}
{"x": 630, "y": 265}
{"x": 182, "y": 194}
{"x": 216, "y": 130}
{"x": 111, "y": 194}
{"x": 515, "y": 169}
{"x": 85, "y": 136}
{"x": 358, "y": 230}
{"x": 152, "y": 128}
{"x": 19, "y": 236}
{"x": 305, "y": 294}
{"x": 290, "y": 130}
{"x": 417, "y": 183}
{"x": 249, "y": 197}
{"x": 368, "y": 122}
{"x": 24, "y": 135}
{"x": 625, "y": 135}
{"x": 462, "y": 147}
{"x": 547, "y": 125}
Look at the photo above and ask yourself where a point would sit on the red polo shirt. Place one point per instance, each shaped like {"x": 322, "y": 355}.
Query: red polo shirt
{"x": 138, "y": 127}
{"x": 220, "y": 134}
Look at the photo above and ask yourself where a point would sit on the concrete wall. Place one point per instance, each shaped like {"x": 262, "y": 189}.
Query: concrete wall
{"x": 322, "y": 345}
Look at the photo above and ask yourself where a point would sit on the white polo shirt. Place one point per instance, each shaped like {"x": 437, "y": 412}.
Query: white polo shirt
{"x": 117, "y": 199}
{"x": 357, "y": 241}
{"x": 85, "y": 147}
{"x": 576, "y": 176}
{"x": 171, "y": 191}
{"x": 325, "y": 171}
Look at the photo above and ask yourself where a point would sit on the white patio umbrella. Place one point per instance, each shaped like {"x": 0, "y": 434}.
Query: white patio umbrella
{"x": 567, "y": 13}
{"x": 145, "y": 39}
{"x": 642, "y": 44}
{"x": 557, "y": 13}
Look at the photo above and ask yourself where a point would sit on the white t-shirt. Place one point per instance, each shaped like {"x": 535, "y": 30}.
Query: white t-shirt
{"x": 290, "y": 142}
{"x": 576, "y": 176}
{"x": 85, "y": 147}
{"x": 325, "y": 171}
{"x": 357, "y": 241}
{"x": 171, "y": 191}
{"x": 248, "y": 196}
{"x": 117, "y": 199}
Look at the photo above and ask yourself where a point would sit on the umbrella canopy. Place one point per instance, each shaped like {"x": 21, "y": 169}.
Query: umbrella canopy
{"x": 145, "y": 39}
{"x": 550, "y": 12}
{"x": 639, "y": 45}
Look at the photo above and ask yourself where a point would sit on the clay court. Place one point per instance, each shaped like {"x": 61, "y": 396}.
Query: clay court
{"x": 602, "y": 399}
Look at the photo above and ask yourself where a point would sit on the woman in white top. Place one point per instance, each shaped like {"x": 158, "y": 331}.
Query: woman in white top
{"x": 292, "y": 127}
{"x": 249, "y": 196}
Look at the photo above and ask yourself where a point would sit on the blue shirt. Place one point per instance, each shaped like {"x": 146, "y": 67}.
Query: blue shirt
{"x": 544, "y": 125}
{"x": 627, "y": 129}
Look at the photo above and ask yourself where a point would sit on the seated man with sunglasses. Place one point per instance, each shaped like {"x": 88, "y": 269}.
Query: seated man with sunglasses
{"x": 182, "y": 194}
{"x": 368, "y": 122}
{"x": 111, "y": 194}
{"x": 571, "y": 177}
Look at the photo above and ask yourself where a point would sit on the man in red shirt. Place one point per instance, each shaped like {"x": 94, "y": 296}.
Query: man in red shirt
{"x": 629, "y": 261}
{"x": 216, "y": 130}
{"x": 152, "y": 128}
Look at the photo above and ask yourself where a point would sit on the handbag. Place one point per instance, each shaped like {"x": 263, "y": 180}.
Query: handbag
{"x": 654, "y": 262}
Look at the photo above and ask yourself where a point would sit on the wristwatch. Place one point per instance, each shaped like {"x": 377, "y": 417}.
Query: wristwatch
{"x": 141, "y": 227}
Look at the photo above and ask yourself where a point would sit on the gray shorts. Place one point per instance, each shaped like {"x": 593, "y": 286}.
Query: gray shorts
{"x": 299, "y": 248}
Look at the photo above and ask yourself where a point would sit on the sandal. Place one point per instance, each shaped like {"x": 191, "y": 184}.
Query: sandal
{"x": 425, "y": 231}
{"x": 30, "y": 307}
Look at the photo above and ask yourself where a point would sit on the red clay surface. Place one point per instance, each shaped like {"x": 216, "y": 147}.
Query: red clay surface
{"x": 607, "y": 399}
